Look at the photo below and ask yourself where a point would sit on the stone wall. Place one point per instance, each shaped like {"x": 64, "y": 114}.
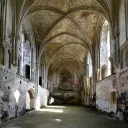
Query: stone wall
{"x": 104, "y": 99}
{"x": 121, "y": 85}
{"x": 17, "y": 94}
{"x": 13, "y": 89}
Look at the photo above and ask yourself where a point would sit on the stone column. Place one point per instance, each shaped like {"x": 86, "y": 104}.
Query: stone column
{"x": 126, "y": 17}
{"x": 3, "y": 8}
{"x": 32, "y": 65}
{"x": 17, "y": 39}
{"x": 117, "y": 49}
{"x": 94, "y": 78}
{"x": 1, "y": 19}
{"x": 6, "y": 56}
{"x": 37, "y": 102}
{"x": 14, "y": 34}
{"x": 42, "y": 73}
{"x": 116, "y": 34}
{"x": 45, "y": 75}
{"x": 124, "y": 58}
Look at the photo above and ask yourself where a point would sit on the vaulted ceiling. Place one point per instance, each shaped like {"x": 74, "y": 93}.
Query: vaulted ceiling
{"x": 66, "y": 29}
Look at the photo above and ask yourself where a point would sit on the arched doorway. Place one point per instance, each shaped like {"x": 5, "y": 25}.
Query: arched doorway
{"x": 31, "y": 94}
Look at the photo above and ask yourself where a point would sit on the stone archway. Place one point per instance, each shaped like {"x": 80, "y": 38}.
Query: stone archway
{"x": 32, "y": 96}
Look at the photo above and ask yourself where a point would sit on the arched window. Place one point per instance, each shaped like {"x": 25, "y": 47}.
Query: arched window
{"x": 2, "y": 55}
{"x": 27, "y": 56}
{"x": 89, "y": 63}
{"x": 24, "y": 62}
{"x": 105, "y": 50}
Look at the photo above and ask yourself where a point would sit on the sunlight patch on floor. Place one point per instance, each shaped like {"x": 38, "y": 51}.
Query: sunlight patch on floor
{"x": 58, "y": 120}
{"x": 51, "y": 110}
{"x": 56, "y": 107}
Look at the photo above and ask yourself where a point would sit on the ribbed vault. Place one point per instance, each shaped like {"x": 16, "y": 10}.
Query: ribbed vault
{"x": 65, "y": 29}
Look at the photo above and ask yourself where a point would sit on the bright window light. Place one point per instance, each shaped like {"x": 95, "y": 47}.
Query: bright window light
{"x": 17, "y": 95}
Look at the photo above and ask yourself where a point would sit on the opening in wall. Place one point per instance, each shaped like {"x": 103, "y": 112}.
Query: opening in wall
{"x": 105, "y": 51}
{"x": 40, "y": 80}
{"x": 9, "y": 59}
{"x": 126, "y": 57}
{"x": 27, "y": 71}
{"x": 31, "y": 94}
{"x": 2, "y": 55}
{"x": 18, "y": 70}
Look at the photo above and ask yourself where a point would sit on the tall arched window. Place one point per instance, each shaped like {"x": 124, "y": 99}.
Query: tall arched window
{"x": 105, "y": 50}
{"x": 27, "y": 55}
{"x": 89, "y": 63}
{"x": 24, "y": 65}
{"x": 20, "y": 69}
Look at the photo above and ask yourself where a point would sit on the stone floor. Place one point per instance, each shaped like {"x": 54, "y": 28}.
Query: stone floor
{"x": 64, "y": 117}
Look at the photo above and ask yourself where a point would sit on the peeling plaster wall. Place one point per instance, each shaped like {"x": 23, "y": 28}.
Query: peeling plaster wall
{"x": 122, "y": 25}
{"x": 103, "y": 95}
{"x": 122, "y": 87}
{"x": 13, "y": 93}
{"x": 14, "y": 96}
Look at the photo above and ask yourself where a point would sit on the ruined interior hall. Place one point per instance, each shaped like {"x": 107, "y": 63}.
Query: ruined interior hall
{"x": 63, "y": 63}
